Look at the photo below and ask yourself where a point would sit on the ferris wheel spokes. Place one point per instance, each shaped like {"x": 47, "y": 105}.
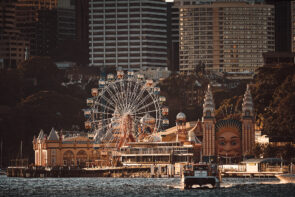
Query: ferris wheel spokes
{"x": 124, "y": 109}
{"x": 108, "y": 100}
{"x": 144, "y": 112}
{"x": 134, "y": 92}
{"x": 106, "y": 107}
{"x": 147, "y": 96}
{"x": 112, "y": 95}
{"x": 140, "y": 94}
{"x": 129, "y": 93}
{"x": 145, "y": 106}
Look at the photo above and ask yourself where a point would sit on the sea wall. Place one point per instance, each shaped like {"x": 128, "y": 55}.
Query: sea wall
{"x": 125, "y": 172}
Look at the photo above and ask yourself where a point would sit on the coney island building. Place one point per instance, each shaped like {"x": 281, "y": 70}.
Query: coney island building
{"x": 208, "y": 140}
{"x": 223, "y": 141}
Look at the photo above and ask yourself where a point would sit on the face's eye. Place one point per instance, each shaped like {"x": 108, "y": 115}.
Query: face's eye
{"x": 222, "y": 143}
{"x": 234, "y": 143}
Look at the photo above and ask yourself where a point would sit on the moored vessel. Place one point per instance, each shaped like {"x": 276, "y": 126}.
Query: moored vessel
{"x": 200, "y": 174}
{"x": 2, "y": 172}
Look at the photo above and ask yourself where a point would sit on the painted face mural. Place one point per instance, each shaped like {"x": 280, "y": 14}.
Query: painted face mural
{"x": 228, "y": 142}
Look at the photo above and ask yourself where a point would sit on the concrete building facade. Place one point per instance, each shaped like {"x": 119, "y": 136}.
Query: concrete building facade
{"x": 57, "y": 150}
{"x": 130, "y": 34}
{"x": 224, "y": 36}
{"x": 293, "y": 26}
{"x": 12, "y": 45}
{"x": 66, "y": 23}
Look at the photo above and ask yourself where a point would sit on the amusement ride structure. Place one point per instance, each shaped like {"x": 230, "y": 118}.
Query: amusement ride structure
{"x": 125, "y": 108}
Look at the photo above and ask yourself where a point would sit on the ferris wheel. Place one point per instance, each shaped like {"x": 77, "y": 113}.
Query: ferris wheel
{"x": 125, "y": 108}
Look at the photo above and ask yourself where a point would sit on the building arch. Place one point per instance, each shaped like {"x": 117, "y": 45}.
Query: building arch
{"x": 68, "y": 158}
{"x": 81, "y": 158}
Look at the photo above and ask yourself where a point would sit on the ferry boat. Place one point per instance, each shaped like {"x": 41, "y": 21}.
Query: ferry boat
{"x": 2, "y": 172}
{"x": 200, "y": 174}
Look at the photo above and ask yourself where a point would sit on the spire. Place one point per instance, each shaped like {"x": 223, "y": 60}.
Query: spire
{"x": 208, "y": 106}
{"x": 247, "y": 106}
{"x": 53, "y": 135}
{"x": 41, "y": 135}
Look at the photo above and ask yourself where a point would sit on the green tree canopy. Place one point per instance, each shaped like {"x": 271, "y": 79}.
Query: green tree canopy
{"x": 274, "y": 100}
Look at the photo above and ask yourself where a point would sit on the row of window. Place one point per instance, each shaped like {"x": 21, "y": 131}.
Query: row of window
{"x": 147, "y": 61}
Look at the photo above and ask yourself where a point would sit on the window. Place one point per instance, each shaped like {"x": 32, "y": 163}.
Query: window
{"x": 208, "y": 113}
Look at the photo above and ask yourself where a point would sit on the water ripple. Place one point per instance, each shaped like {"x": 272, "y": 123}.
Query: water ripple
{"x": 57, "y": 187}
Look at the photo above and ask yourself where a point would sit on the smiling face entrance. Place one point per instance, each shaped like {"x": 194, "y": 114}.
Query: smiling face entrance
{"x": 228, "y": 142}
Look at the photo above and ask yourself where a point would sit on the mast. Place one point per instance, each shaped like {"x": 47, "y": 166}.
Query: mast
{"x": 21, "y": 149}
{"x": 1, "y": 152}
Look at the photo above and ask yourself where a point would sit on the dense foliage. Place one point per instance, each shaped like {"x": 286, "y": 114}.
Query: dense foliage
{"x": 32, "y": 98}
{"x": 274, "y": 99}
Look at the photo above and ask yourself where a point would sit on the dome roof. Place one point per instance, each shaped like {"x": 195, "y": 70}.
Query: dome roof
{"x": 147, "y": 119}
{"x": 180, "y": 116}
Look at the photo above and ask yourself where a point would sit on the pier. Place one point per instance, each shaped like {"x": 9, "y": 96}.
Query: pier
{"x": 35, "y": 172}
{"x": 148, "y": 171}
{"x": 250, "y": 174}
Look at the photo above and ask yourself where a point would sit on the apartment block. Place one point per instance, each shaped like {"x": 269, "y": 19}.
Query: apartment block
{"x": 224, "y": 36}
{"x": 130, "y": 34}
{"x": 12, "y": 45}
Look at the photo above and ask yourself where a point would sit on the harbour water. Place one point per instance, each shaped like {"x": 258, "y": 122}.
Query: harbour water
{"x": 240, "y": 187}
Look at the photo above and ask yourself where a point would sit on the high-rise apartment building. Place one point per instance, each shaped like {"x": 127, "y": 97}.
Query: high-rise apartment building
{"x": 30, "y": 21}
{"x": 82, "y": 20}
{"x": 173, "y": 36}
{"x": 66, "y": 23}
{"x": 293, "y": 26}
{"x": 45, "y": 33}
{"x": 224, "y": 36}
{"x": 131, "y": 34}
{"x": 12, "y": 45}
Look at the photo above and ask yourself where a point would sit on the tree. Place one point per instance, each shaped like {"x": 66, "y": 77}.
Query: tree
{"x": 258, "y": 150}
{"x": 270, "y": 151}
{"x": 11, "y": 87}
{"x": 42, "y": 110}
{"x": 42, "y": 72}
{"x": 274, "y": 100}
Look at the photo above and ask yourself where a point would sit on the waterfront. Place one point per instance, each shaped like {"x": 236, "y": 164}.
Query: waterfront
{"x": 10, "y": 186}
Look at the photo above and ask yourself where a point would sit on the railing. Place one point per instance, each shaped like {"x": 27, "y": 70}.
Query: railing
{"x": 19, "y": 163}
{"x": 156, "y": 151}
{"x": 275, "y": 169}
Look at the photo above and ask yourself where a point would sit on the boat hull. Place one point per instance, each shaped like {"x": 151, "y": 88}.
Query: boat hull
{"x": 189, "y": 181}
{"x": 286, "y": 178}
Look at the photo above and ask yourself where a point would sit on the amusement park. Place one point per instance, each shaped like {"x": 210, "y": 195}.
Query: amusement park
{"x": 127, "y": 127}
{"x": 127, "y": 124}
